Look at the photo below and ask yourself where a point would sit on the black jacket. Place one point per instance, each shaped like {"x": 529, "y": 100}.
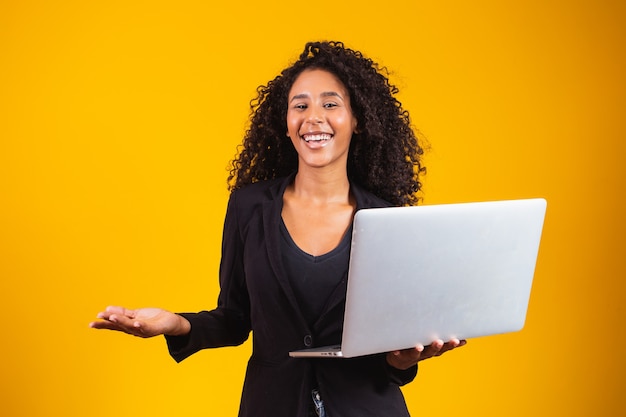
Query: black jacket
{"x": 256, "y": 295}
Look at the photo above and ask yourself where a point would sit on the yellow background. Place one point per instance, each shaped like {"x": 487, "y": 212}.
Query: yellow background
{"x": 118, "y": 119}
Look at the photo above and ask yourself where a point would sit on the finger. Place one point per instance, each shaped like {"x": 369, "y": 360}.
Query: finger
{"x": 107, "y": 325}
{"x": 448, "y": 346}
{"x": 452, "y": 344}
{"x": 135, "y": 328}
{"x": 455, "y": 343}
{"x": 434, "y": 349}
{"x": 120, "y": 311}
{"x": 436, "y": 346}
{"x": 123, "y": 321}
{"x": 110, "y": 310}
{"x": 413, "y": 354}
{"x": 419, "y": 350}
{"x": 100, "y": 324}
{"x": 142, "y": 329}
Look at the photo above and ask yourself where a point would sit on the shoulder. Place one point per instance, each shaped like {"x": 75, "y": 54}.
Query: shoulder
{"x": 259, "y": 193}
{"x": 367, "y": 199}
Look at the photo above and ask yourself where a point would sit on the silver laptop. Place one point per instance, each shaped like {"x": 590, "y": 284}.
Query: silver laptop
{"x": 423, "y": 273}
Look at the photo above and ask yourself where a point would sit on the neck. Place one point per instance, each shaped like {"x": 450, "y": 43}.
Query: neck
{"x": 322, "y": 185}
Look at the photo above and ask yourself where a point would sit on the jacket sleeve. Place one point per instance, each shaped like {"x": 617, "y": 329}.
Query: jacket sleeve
{"x": 398, "y": 376}
{"x": 229, "y": 323}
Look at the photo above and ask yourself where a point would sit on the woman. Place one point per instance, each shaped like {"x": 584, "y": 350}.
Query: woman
{"x": 327, "y": 138}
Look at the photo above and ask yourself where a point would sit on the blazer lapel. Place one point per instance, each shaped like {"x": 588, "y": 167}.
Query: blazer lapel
{"x": 272, "y": 210}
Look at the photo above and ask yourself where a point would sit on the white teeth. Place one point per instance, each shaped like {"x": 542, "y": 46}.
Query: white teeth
{"x": 317, "y": 138}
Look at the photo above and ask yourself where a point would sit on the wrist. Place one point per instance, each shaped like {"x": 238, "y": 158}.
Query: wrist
{"x": 181, "y": 328}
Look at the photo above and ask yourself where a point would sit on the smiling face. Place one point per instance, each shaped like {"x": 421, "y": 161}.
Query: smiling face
{"x": 320, "y": 122}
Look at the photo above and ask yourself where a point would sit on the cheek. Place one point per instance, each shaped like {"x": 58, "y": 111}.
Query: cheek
{"x": 292, "y": 125}
{"x": 347, "y": 121}
{"x": 293, "y": 139}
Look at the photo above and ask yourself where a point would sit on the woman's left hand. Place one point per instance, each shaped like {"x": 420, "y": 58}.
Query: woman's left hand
{"x": 406, "y": 358}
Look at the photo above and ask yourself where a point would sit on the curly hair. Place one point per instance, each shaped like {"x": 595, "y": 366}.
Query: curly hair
{"x": 385, "y": 156}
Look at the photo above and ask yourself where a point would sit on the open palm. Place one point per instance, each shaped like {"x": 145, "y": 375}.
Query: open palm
{"x": 142, "y": 322}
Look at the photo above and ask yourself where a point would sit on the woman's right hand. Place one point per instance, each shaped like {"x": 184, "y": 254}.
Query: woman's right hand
{"x": 143, "y": 322}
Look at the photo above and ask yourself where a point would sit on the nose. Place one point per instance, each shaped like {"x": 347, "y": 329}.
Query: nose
{"x": 314, "y": 116}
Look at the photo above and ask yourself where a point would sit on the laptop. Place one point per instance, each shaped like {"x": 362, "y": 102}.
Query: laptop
{"x": 422, "y": 273}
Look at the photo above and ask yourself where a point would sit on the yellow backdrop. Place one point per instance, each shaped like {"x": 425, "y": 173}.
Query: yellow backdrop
{"x": 118, "y": 119}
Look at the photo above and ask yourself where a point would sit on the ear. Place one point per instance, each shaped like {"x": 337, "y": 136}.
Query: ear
{"x": 355, "y": 125}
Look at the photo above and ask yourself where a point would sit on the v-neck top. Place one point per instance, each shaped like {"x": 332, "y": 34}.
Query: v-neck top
{"x": 313, "y": 278}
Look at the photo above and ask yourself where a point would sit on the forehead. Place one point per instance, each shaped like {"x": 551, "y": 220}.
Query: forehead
{"x": 315, "y": 81}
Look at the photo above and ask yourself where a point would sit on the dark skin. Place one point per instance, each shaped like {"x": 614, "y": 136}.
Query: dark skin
{"x": 404, "y": 359}
{"x": 318, "y": 207}
{"x": 149, "y": 322}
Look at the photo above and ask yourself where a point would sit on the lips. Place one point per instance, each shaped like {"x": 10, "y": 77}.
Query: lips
{"x": 316, "y": 137}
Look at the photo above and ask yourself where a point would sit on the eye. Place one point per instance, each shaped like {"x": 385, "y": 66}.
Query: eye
{"x": 300, "y": 106}
{"x": 330, "y": 105}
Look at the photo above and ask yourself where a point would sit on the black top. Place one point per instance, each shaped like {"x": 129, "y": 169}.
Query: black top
{"x": 314, "y": 278}
{"x": 256, "y": 294}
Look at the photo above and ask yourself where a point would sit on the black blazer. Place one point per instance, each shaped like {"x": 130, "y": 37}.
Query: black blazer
{"x": 256, "y": 295}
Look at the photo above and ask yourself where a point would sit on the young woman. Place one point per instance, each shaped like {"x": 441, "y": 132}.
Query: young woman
{"x": 326, "y": 138}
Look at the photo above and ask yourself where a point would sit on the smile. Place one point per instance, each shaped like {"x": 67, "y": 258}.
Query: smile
{"x": 318, "y": 137}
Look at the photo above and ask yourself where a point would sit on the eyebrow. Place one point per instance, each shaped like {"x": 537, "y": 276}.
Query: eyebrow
{"x": 324, "y": 94}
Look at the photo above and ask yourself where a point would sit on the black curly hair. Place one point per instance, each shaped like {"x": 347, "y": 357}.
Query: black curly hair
{"x": 385, "y": 155}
